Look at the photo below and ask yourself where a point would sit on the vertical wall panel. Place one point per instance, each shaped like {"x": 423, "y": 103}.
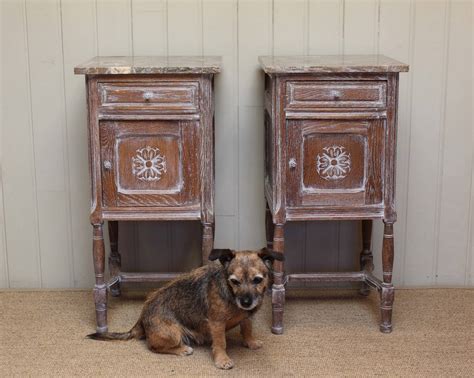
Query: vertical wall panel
{"x": 394, "y": 41}
{"x": 290, "y": 27}
{"x": 428, "y": 88}
{"x": 325, "y": 27}
{"x": 470, "y": 248}
{"x": 4, "y": 280}
{"x": 114, "y": 27}
{"x": 79, "y": 44}
{"x": 49, "y": 131}
{"x": 185, "y": 27}
{"x": 18, "y": 162}
{"x": 149, "y": 27}
{"x": 360, "y": 26}
{"x": 456, "y": 166}
{"x": 254, "y": 38}
{"x": 226, "y": 235}
{"x": 220, "y": 38}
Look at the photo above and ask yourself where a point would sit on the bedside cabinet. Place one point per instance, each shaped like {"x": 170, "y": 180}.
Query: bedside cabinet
{"x": 330, "y": 143}
{"x": 151, "y": 151}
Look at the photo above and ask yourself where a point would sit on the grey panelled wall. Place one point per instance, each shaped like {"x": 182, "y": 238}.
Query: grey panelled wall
{"x": 45, "y": 236}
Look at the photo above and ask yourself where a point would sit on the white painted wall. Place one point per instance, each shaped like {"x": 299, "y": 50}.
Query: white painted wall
{"x": 44, "y": 191}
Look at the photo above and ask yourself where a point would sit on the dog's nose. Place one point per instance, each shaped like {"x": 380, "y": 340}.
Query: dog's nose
{"x": 246, "y": 301}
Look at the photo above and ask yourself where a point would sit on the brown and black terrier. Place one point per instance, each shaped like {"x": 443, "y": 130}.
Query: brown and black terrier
{"x": 202, "y": 305}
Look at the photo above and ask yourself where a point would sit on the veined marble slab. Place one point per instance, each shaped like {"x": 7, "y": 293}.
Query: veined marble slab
{"x": 330, "y": 63}
{"x": 116, "y": 65}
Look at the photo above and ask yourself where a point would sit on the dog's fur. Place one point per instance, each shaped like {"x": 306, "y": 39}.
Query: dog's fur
{"x": 202, "y": 305}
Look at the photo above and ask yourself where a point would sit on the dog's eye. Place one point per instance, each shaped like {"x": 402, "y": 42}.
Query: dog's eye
{"x": 235, "y": 282}
{"x": 257, "y": 280}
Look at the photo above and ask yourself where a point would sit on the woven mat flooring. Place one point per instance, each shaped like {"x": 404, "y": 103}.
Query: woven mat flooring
{"x": 327, "y": 333}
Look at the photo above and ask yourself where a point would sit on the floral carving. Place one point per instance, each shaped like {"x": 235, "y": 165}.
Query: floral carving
{"x": 148, "y": 164}
{"x": 334, "y": 163}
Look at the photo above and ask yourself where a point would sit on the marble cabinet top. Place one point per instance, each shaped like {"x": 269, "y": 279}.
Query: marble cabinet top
{"x": 330, "y": 63}
{"x": 116, "y": 65}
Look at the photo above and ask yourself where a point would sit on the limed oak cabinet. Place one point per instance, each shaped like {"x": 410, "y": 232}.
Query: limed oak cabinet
{"x": 330, "y": 142}
{"x": 151, "y": 150}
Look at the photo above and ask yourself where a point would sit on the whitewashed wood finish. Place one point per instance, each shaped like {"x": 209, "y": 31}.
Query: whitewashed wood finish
{"x": 45, "y": 107}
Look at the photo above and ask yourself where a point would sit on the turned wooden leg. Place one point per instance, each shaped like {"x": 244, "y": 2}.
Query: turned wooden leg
{"x": 207, "y": 241}
{"x": 100, "y": 288}
{"x": 114, "y": 258}
{"x": 269, "y": 227}
{"x": 366, "y": 258}
{"x": 278, "y": 287}
{"x": 387, "y": 292}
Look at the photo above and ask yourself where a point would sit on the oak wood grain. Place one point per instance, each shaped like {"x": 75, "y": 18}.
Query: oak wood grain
{"x": 330, "y": 147}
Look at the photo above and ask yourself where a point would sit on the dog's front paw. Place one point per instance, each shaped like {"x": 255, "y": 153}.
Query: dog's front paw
{"x": 187, "y": 351}
{"x": 253, "y": 344}
{"x": 224, "y": 362}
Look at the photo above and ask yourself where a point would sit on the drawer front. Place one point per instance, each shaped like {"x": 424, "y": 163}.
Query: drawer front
{"x": 335, "y": 162}
{"x": 159, "y": 96}
{"x": 150, "y": 163}
{"x": 317, "y": 94}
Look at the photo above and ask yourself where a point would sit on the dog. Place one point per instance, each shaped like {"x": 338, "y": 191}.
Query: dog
{"x": 200, "y": 306}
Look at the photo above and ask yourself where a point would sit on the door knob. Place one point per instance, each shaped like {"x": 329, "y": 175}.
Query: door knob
{"x": 292, "y": 163}
{"x": 107, "y": 165}
{"x": 148, "y": 96}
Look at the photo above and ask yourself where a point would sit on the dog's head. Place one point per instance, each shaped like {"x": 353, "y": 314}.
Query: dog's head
{"x": 247, "y": 273}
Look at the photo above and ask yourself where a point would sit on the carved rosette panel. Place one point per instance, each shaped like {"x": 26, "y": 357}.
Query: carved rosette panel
{"x": 148, "y": 164}
{"x": 334, "y": 163}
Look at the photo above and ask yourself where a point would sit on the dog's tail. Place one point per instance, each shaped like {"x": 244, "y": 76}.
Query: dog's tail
{"x": 137, "y": 332}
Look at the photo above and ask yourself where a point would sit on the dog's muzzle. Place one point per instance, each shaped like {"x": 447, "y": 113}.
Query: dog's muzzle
{"x": 247, "y": 302}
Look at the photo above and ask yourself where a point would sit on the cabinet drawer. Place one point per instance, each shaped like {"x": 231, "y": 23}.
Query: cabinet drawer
{"x": 158, "y": 96}
{"x": 316, "y": 94}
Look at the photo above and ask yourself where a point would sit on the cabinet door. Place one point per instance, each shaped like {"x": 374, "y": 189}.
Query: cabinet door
{"x": 335, "y": 162}
{"x": 150, "y": 163}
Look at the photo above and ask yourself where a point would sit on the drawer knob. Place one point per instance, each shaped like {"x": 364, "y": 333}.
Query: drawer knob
{"x": 148, "y": 96}
{"x": 336, "y": 94}
{"x": 107, "y": 165}
{"x": 292, "y": 163}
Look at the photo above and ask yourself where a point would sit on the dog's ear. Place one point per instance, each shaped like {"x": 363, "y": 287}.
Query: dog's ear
{"x": 269, "y": 256}
{"x": 225, "y": 256}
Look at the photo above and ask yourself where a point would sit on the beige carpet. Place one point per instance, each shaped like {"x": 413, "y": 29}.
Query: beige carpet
{"x": 327, "y": 334}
